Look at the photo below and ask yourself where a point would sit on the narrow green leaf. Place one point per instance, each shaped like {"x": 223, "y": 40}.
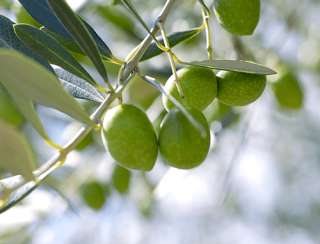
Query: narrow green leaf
{"x": 234, "y": 65}
{"x": 79, "y": 33}
{"x": 72, "y": 46}
{"x": 40, "y": 10}
{"x": 15, "y": 153}
{"x": 50, "y": 49}
{"x": 174, "y": 39}
{"x": 36, "y": 85}
{"x": 78, "y": 88}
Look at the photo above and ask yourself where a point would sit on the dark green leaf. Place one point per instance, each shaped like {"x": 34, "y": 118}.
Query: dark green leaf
{"x": 174, "y": 39}
{"x": 234, "y": 65}
{"x": 41, "y": 11}
{"x": 50, "y": 49}
{"x": 72, "y": 46}
{"x": 79, "y": 33}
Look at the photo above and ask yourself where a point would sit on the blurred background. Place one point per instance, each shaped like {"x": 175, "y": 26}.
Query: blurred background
{"x": 260, "y": 182}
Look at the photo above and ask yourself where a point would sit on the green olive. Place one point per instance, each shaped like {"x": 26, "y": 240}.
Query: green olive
{"x": 93, "y": 194}
{"x": 199, "y": 87}
{"x": 130, "y": 137}
{"x": 239, "y": 17}
{"x": 121, "y": 179}
{"x": 182, "y": 145}
{"x": 288, "y": 91}
{"x": 239, "y": 89}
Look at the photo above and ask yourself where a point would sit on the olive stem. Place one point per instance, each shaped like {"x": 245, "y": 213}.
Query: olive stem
{"x": 206, "y": 18}
{"x": 171, "y": 59}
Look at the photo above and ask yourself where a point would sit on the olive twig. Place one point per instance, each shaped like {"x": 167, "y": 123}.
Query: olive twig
{"x": 206, "y": 17}
{"x": 171, "y": 58}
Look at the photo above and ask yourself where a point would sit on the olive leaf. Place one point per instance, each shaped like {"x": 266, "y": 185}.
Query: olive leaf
{"x": 10, "y": 40}
{"x": 40, "y": 10}
{"x": 49, "y": 48}
{"x": 36, "y": 85}
{"x": 77, "y": 87}
{"x": 71, "y": 45}
{"x": 79, "y": 32}
{"x": 119, "y": 19}
{"x": 15, "y": 153}
{"x": 233, "y": 65}
{"x": 174, "y": 39}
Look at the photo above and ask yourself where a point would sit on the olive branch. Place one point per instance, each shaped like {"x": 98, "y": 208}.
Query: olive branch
{"x": 22, "y": 188}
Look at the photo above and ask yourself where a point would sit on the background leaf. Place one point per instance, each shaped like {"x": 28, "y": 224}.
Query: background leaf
{"x": 8, "y": 36}
{"x": 49, "y": 48}
{"x": 79, "y": 33}
{"x": 15, "y": 153}
{"x": 174, "y": 39}
{"x": 36, "y": 85}
{"x": 77, "y": 87}
{"x": 234, "y": 65}
{"x": 119, "y": 19}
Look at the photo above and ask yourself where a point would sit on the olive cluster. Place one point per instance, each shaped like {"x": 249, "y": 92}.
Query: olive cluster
{"x": 129, "y": 135}
{"x": 132, "y": 141}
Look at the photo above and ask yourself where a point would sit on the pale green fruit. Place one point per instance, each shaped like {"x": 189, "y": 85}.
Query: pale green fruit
{"x": 239, "y": 17}
{"x": 140, "y": 93}
{"x": 130, "y": 137}
{"x": 199, "y": 88}
{"x": 94, "y": 194}
{"x": 217, "y": 111}
{"x": 121, "y": 179}
{"x": 181, "y": 144}
{"x": 288, "y": 91}
{"x": 239, "y": 89}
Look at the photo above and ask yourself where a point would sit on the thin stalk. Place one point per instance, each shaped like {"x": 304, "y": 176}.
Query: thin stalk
{"x": 171, "y": 58}
{"x": 206, "y": 22}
